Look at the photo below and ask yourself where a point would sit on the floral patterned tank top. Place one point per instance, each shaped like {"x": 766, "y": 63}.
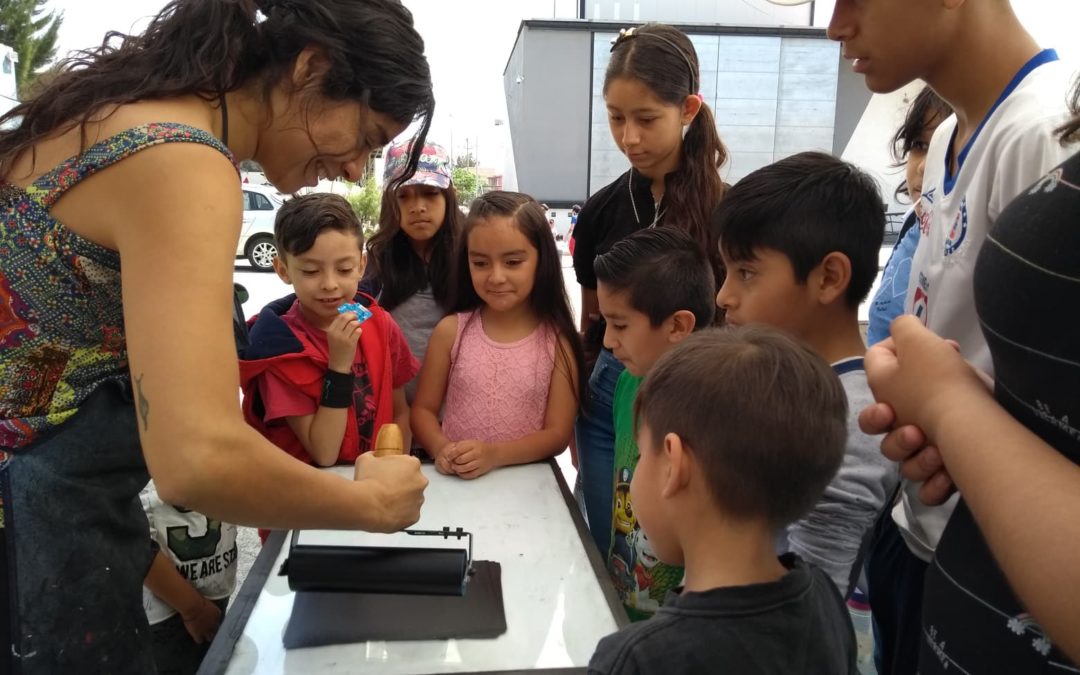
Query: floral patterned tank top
{"x": 61, "y": 316}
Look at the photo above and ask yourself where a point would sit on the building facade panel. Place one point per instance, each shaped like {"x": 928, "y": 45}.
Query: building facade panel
{"x": 758, "y": 86}
{"x": 773, "y": 92}
{"x": 740, "y": 112}
{"x": 793, "y": 113}
{"x": 748, "y": 139}
{"x": 748, "y": 54}
{"x": 790, "y": 140}
{"x": 760, "y": 12}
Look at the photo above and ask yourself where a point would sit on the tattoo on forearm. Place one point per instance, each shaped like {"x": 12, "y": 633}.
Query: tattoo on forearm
{"x": 144, "y": 404}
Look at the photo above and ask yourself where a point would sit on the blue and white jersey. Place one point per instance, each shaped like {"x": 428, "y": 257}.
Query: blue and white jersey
{"x": 1013, "y": 147}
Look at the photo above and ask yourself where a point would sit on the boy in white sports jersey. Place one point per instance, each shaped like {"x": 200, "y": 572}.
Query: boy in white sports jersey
{"x": 1008, "y": 97}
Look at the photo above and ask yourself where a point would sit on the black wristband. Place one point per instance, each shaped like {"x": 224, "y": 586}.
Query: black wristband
{"x": 337, "y": 390}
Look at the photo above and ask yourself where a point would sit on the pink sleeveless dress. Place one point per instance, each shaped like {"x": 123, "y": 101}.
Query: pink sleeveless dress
{"x": 497, "y": 391}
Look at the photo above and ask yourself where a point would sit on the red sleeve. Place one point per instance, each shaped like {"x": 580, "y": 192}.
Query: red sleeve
{"x": 402, "y": 361}
{"x": 282, "y": 399}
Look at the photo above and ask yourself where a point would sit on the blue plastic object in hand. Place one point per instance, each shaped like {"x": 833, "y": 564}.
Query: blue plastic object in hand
{"x": 362, "y": 313}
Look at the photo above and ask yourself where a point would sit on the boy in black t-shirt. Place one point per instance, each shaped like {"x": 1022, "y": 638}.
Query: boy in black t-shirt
{"x": 739, "y": 432}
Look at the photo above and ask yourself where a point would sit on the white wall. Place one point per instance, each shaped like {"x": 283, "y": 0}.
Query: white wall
{"x": 869, "y": 145}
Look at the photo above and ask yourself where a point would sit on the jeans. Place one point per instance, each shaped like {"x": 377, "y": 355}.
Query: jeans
{"x": 595, "y": 434}
{"x": 78, "y": 544}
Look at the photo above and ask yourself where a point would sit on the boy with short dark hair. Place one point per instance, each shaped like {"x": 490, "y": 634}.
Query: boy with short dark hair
{"x": 655, "y": 288}
{"x": 739, "y": 432}
{"x": 315, "y": 382}
{"x": 800, "y": 241}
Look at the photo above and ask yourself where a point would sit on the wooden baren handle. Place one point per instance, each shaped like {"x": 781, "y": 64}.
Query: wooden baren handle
{"x": 389, "y": 441}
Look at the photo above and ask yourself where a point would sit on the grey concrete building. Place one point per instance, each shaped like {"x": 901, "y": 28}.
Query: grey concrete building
{"x": 775, "y": 91}
{"x": 731, "y": 12}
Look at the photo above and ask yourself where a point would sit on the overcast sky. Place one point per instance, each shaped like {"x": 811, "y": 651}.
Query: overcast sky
{"x": 469, "y": 41}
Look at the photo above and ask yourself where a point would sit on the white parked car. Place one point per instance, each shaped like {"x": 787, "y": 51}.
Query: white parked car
{"x": 261, "y": 204}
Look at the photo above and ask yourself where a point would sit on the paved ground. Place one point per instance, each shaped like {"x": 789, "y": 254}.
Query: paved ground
{"x": 248, "y": 547}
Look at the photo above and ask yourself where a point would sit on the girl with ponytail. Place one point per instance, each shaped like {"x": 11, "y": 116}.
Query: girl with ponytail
{"x": 660, "y": 121}
{"x": 121, "y": 210}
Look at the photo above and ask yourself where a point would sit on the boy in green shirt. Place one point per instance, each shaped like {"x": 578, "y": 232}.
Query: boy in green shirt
{"x": 655, "y": 288}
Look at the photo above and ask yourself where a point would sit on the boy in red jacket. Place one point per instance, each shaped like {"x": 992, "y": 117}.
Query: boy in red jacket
{"x": 316, "y": 382}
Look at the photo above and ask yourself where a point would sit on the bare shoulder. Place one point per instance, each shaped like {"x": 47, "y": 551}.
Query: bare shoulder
{"x": 565, "y": 349}
{"x": 171, "y": 186}
{"x": 565, "y": 362}
{"x": 196, "y": 163}
{"x": 71, "y": 139}
{"x": 445, "y": 331}
{"x": 152, "y": 184}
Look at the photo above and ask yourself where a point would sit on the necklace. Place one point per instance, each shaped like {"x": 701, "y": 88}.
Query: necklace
{"x": 657, "y": 214}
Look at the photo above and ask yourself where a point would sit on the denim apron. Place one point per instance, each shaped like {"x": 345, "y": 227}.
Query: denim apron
{"x": 78, "y": 544}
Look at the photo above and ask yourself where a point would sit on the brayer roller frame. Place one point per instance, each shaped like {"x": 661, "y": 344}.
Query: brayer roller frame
{"x": 386, "y": 570}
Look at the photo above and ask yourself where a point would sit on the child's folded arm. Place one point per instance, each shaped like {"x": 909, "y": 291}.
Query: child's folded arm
{"x": 315, "y": 426}
{"x": 405, "y": 369}
{"x": 401, "y": 416}
{"x": 172, "y": 588}
{"x": 833, "y": 534}
{"x": 321, "y": 434}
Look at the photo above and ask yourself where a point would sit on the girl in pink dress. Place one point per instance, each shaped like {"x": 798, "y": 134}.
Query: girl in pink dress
{"x": 504, "y": 365}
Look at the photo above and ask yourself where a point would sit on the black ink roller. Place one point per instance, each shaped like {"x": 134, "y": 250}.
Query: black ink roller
{"x": 361, "y": 569}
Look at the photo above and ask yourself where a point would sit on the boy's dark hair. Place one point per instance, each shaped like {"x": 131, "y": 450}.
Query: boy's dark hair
{"x": 396, "y": 264}
{"x": 302, "y": 219}
{"x": 208, "y": 48}
{"x": 663, "y": 270}
{"x": 548, "y": 299}
{"x": 806, "y": 206}
{"x": 762, "y": 413}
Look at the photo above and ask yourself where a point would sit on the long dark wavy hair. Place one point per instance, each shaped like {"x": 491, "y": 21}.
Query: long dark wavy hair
{"x": 664, "y": 60}
{"x": 210, "y": 47}
{"x": 928, "y": 109}
{"x": 1070, "y": 131}
{"x": 548, "y": 299}
{"x": 396, "y": 265}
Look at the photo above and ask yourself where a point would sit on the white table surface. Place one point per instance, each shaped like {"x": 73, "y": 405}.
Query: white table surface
{"x": 556, "y": 607}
